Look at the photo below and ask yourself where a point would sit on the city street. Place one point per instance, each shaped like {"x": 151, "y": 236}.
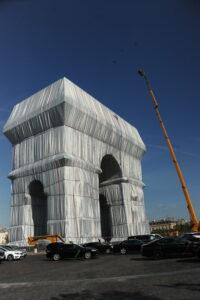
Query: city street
{"x": 107, "y": 277}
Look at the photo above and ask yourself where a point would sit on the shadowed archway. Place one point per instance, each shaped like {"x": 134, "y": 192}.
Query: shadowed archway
{"x": 39, "y": 207}
{"x": 105, "y": 214}
{"x": 107, "y": 183}
{"x": 110, "y": 169}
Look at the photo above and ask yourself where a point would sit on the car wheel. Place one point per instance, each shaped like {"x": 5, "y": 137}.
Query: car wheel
{"x": 158, "y": 254}
{"x": 56, "y": 257}
{"x": 123, "y": 251}
{"x": 10, "y": 257}
{"x": 108, "y": 251}
{"x": 88, "y": 255}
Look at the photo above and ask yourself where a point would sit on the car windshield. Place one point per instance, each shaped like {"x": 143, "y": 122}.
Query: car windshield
{"x": 152, "y": 242}
{"x": 3, "y": 249}
{"x": 14, "y": 247}
{"x": 55, "y": 245}
{"x": 8, "y": 247}
{"x": 92, "y": 244}
{"x": 134, "y": 241}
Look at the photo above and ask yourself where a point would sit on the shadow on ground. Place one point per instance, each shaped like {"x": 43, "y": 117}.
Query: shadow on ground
{"x": 109, "y": 295}
{"x": 141, "y": 259}
{"x": 195, "y": 287}
{"x": 189, "y": 260}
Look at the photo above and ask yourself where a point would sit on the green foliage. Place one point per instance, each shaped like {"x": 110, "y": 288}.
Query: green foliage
{"x": 183, "y": 228}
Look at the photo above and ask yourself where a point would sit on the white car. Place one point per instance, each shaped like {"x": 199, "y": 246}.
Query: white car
{"x": 11, "y": 254}
{"x": 16, "y": 248}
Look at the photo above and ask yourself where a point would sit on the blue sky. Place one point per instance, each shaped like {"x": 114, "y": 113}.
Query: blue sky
{"x": 99, "y": 45}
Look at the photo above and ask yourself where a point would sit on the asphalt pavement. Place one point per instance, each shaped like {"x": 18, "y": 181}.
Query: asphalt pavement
{"x": 105, "y": 278}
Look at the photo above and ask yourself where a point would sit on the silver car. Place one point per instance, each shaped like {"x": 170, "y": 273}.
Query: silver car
{"x": 11, "y": 254}
{"x": 16, "y": 248}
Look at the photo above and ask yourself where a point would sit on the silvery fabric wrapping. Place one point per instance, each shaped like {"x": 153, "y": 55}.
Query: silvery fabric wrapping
{"x": 60, "y": 136}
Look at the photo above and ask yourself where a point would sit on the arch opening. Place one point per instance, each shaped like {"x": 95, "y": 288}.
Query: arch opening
{"x": 105, "y": 215}
{"x": 110, "y": 169}
{"x": 39, "y": 207}
{"x": 108, "y": 189}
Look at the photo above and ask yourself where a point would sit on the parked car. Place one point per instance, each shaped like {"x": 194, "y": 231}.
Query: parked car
{"x": 194, "y": 239}
{"x": 57, "y": 251}
{"x": 16, "y": 248}
{"x": 128, "y": 246}
{"x": 11, "y": 254}
{"x": 101, "y": 247}
{"x": 191, "y": 236}
{"x": 1, "y": 256}
{"x": 146, "y": 238}
{"x": 197, "y": 251}
{"x": 167, "y": 247}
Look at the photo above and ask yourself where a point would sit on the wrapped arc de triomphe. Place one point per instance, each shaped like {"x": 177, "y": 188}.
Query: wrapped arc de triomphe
{"x": 76, "y": 168}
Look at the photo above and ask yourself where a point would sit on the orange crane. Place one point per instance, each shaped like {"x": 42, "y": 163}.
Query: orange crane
{"x": 195, "y": 224}
{"x": 52, "y": 238}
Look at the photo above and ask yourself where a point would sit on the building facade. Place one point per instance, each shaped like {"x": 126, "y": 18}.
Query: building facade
{"x": 76, "y": 168}
{"x": 3, "y": 236}
{"x": 166, "y": 224}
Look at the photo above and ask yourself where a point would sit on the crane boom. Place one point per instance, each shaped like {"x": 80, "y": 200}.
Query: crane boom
{"x": 194, "y": 221}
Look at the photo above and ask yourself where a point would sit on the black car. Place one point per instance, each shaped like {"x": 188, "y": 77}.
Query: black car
{"x": 101, "y": 247}
{"x": 1, "y": 256}
{"x": 146, "y": 238}
{"x": 57, "y": 251}
{"x": 192, "y": 236}
{"x": 128, "y": 246}
{"x": 197, "y": 251}
{"x": 167, "y": 247}
{"x": 194, "y": 239}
